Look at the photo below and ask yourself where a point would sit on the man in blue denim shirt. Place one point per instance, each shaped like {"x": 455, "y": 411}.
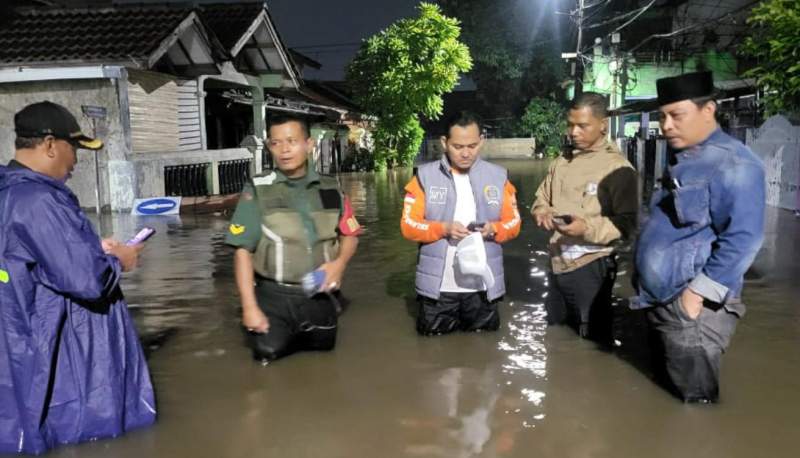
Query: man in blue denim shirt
{"x": 705, "y": 226}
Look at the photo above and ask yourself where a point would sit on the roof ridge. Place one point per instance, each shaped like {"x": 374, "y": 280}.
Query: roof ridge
{"x": 56, "y": 10}
{"x": 262, "y": 3}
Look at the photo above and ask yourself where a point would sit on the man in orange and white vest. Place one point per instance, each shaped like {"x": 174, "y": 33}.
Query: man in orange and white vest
{"x": 446, "y": 202}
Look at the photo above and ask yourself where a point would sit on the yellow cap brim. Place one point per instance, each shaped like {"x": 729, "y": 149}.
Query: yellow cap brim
{"x": 93, "y": 144}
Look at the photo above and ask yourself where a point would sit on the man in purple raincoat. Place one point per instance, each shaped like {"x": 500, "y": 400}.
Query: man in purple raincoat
{"x": 71, "y": 365}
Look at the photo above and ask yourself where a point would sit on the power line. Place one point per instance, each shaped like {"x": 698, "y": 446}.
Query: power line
{"x": 620, "y": 17}
{"x": 705, "y": 22}
{"x": 598, "y": 10}
{"x": 694, "y": 26}
{"x": 600, "y": 3}
{"x": 328, "y": 51}
{"x": 331, "y": 45}
{"x": 647, "y": 7}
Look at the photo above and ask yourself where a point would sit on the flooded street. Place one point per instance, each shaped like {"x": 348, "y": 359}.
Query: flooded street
{"x": 526, "y": 390}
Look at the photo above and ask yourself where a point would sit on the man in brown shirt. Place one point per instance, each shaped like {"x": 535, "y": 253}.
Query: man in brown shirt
{"x": 589, "y": 198}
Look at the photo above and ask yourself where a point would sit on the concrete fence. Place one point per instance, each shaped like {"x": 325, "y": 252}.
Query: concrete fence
{"x": 649, "y": 158}
{"x": 149, "y": 167}
{"x": 777, "y": 142}
{"x": 493, "y": 148}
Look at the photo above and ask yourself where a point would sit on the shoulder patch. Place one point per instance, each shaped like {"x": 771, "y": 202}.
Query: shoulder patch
{"x": 236, "y": 229}
{"x": 492, "y": 195}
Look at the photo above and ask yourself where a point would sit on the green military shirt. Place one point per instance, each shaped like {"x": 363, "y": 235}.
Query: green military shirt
{"x": 245, "y": 227}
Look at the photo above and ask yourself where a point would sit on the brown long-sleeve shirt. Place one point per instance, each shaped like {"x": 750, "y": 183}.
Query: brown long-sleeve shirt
{"x": 599, "y": 186}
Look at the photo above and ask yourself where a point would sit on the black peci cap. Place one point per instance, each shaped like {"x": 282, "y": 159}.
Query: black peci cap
{"x": 685, "y": 87}
{"x": 47, "y": 118}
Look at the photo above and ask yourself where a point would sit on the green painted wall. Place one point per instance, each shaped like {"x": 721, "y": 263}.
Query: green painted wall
{"x": 642, "y": 76}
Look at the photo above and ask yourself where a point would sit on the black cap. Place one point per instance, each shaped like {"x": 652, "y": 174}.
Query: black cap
{"x": 47, "y": 118}
{"x": 685, "y": 87}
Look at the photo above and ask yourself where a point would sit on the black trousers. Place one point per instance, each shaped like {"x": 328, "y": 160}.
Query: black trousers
{"x": 457, "y": 311}
{"x": 582, "y": 299}
{"x": 296, "y": 322}
{"x": 690, "y": 350}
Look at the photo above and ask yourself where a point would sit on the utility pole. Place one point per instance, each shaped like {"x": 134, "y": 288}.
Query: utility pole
{"x": 616, "y": 66}
{"x": 623, "y": 89}
{"x": 577, "y": 65}
{"x": 578, "y": 59}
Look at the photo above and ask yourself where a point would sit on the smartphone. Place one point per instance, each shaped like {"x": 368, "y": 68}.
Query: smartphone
{"x": 475, "y": 227}
{"x": 313, "y": 282}
{"x": 141, "y": 236}
{"x": 563, "y": 220}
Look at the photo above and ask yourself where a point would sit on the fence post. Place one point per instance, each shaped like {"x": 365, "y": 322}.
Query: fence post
{"x": 644, "y": 124}
{"x": 640, "y": 165}
{"x": 661, "y": 158}
{"x": 214, "y": 178}
{"x": 621, "y": 145}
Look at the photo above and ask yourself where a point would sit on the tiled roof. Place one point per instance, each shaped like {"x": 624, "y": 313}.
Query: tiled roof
{"x": 302, "y": 59}
{"x": 105, "y": 34}
{"x": 230, "y": 21}
{"x": 328, "y": 93}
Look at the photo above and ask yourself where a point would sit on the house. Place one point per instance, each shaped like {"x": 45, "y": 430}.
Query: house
{"x": 185, "y": 92}
{"x": 669, "y": 38}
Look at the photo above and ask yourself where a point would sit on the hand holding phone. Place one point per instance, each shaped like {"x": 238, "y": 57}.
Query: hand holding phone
{"x": 140, "y": 237}
{"x": 475, "y": 227}
{"x": 313, "y": 282}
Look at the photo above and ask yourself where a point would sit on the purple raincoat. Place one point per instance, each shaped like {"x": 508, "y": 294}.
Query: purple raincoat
{"x": 71, "y": 365}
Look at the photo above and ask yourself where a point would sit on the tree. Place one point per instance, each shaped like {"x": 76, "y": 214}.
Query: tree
{"x": 775, "y": 44}
{"x": 401, "y": 74}
{"x": 544, "y": 120}
{"x": 515, "y": 46}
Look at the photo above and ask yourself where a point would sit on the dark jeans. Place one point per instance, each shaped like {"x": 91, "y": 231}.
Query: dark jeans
{"x": 457, "y": 311}
{"x": 582, "y": 299}
{"x": 296, "y": 322}
{"x": 691, "y": 350}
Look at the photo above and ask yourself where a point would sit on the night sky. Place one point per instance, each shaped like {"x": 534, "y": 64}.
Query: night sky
{"x": 330, "y": 31}
{"x": 327, "y": 31}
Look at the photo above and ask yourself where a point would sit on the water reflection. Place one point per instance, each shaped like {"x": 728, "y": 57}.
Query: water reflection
{"x": 183, "y": 276}
{"x": 526, "y": 390}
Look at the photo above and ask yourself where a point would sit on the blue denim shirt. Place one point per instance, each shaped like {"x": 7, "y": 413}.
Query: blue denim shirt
{"x": 705, "y": 225}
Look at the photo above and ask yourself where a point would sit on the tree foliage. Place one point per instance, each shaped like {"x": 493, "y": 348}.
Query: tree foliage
{"x": 775, "y": 44}
{"x": 544, "y": 120}
{"x": 401, "y": 74}
{"x": 516, "y": 51}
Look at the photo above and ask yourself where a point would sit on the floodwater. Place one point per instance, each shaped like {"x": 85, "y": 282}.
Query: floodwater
{"x": 527, "y": 390}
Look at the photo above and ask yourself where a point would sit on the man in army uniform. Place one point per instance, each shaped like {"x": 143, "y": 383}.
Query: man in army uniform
{"x": 289, "y": 223}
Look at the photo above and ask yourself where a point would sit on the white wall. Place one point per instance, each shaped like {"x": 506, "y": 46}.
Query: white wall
{"x": 777, "y": 142}
{"x": 73, "y": 94}
{"x": 493, "y": 148}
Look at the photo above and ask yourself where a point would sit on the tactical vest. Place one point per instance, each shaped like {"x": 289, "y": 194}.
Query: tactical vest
{"x": 287, "y": 250}
{"x": 436, "y": 180}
